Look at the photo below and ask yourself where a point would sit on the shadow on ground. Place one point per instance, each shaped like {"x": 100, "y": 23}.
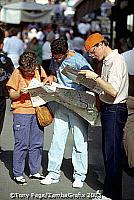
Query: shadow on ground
{"x": 7, "y": 158}
{"x": 67, "y": 168}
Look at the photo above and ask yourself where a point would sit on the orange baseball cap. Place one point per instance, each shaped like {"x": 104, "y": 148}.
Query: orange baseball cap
{"x": 92, "y": 40}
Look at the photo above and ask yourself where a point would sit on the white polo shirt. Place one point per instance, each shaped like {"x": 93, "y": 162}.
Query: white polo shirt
{"x": 115, "y": 72}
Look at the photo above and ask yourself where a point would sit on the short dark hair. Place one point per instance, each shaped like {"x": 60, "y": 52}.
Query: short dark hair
{"x": 13, "y": 31}
{"x": 59, "y": 46}
{"x": 132, "y": 38}
{"x": 2, "y": 35}
{"x": 28, "y": 60}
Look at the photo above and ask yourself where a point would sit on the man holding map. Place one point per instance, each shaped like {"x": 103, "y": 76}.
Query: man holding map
{"x": 114, "y": 85}
{"x": 65, "y": 119}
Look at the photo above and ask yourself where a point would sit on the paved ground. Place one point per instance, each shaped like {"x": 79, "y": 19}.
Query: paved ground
{"x": 33, "y": 190}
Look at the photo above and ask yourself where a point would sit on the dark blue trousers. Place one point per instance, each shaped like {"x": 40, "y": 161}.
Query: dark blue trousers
{"x": 113, "y": 119}
{"x": 2, "y": 112}
{"x": 29, "y": 138}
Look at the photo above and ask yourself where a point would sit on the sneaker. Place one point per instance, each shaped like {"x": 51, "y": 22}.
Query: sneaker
{"x": 105, "y": 198}
{"x": 1, "y": 150}
{"x": 49, "y": 180}
{"x": 99, "y": 191}
{"x": 36, "y": 176}
{"x": 102, "y": 196}
{"x": 20, "y": 180}
{"x": 77, "y": 183}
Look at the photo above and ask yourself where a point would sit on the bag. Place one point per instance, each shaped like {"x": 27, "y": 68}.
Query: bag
{"x": 44, "y": 115}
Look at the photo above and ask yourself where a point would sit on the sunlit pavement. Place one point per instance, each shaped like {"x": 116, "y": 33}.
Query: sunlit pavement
{"x": 62, "y": 190}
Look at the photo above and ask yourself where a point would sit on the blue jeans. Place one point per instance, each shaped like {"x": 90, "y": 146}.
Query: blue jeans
{"x": 29, "y": 140}
{"x": 65, "y": 120}
{"x": 113, "y": 118}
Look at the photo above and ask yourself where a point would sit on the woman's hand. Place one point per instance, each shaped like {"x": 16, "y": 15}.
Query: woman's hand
{"x": 24, "y": 91}
{"x": 89, "y": 74}
{"x": 16, "y": 94}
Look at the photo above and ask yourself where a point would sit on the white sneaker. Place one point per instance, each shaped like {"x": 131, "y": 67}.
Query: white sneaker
{"x": 20, "y": 180}
{"x": 99, "y": 192}
{"x": 105, "y": 198}
{"x": 36, "y": 176}
{"x": 77, "y": 183}
{"x": 49, "y": 180}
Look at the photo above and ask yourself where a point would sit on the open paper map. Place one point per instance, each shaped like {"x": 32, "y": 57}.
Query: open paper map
{"x": 72, "y": 74}
{"x": 81, "y": 102}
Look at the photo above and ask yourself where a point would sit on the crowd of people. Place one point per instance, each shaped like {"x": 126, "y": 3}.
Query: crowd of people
{"x": 53, "y": 53}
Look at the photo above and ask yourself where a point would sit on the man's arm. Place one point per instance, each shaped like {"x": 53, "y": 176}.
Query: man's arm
{"x": 105, "y": 86}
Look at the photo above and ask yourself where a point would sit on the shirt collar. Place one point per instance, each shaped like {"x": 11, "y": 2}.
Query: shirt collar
{"x": 113, "y": 53}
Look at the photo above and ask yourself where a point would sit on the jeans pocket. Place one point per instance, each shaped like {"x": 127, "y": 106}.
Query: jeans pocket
{"x": 122, "y": 115}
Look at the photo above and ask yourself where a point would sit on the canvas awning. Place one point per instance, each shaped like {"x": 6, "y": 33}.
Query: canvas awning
{"x": 15, "y": 13}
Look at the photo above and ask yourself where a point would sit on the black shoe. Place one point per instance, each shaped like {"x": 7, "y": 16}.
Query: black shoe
{"x": 1, "y": 150}
{"x": 20, "y": 180}
{"x": 36, "y": 176}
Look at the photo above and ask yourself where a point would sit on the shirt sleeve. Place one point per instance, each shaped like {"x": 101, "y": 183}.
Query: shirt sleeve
{"x": 5, "y": 47}
{"x": 10, "y": 65}
{"x": 13, "y": 82}
{"x": 116, "y": 73}
{"x": 82, "y": 64}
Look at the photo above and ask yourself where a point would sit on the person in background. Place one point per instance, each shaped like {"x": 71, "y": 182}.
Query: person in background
{"x": 83, "y": 28}
{"x": 7, "y": 36}
{"x": 46, "y": 52}
{"x": 78, "y": 43}
{"x": 114, "y": 85}
{"x": 65, "y": 36}
{"x": 13, "y": 46}
{"x": 35, "y": 47}
{"x": 28, "y": 134}
{"x": 40, "y": 36}
{"x": 128, "y": 56}
{"x": 128, "y": 139}
{"x": 65, "y": 119}
{"x": 6, "y": 69}
{"x": 57, "y": 10}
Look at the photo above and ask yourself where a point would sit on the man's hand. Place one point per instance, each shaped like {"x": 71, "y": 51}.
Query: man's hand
{"x": 89, "y": 74}
{"x": 49, "y": 80}
{"x": 104, "y": 85}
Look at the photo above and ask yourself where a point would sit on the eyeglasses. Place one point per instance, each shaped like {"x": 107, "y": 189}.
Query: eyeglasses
{"x": 91, "y": 53}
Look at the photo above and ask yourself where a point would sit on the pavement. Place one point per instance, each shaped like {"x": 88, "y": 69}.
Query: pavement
{"x": 62, "y": 190}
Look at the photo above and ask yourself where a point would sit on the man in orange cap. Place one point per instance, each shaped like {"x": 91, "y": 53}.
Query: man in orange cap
{"x": 114, "y": 85}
